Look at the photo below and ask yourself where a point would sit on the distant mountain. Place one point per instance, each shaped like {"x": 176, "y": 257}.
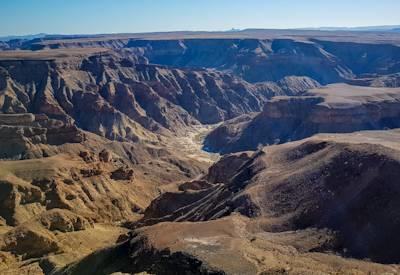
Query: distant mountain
{"x": 28, "y": 37}
{"x": 386, "y": 28}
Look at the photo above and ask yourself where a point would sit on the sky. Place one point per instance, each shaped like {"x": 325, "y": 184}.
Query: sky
{"x": 20, "y": 17}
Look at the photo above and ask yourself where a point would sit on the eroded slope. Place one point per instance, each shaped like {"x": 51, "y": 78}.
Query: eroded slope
{"x": 315, "y": 204}
{"x": 337, "y": 108}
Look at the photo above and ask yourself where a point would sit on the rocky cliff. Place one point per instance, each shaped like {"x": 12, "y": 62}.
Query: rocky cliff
{"x": 333, "y": 109}
{"x": 26, "y": 135}
{"x": 258, "y": 60}
{"x": 115, "y": 97}
{"x": 254, "y": 55}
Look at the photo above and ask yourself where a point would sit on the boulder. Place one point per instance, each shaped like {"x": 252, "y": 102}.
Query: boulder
{"x": 105, "y": 156}
{"x": 122, "y": 174}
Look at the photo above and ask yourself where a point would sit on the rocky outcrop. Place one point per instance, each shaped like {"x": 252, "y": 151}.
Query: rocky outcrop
{"x": 334, "y": 109}
{"x": 91, "y": 172}
{"x": 122, "y": 173}
{"x": 36, "y": 237}
{"x": 14, "y": 196}
{"x": 212, "y": 199}
{"x": 21, "y": 135}
{"x": 293, "y": 85}
{"x": 392, "y": 81}
{"x": 105, "y": 156}
{"x": 203, "y": 248}
{"x": 64, "y": 221}
{"x": 29, "y": 242}
{"x": 144, "y": 258}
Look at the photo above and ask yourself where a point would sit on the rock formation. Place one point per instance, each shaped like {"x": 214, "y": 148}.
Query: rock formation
{"x": 255, "y": 55}
{"x": 112, "y": 96}
{"x": 23, "y": 135}
{"x": 320, "y": 195}
{"x": 258, "y": 60}
{"x": 122, "y": 174}
{"x": 333, "y": 109}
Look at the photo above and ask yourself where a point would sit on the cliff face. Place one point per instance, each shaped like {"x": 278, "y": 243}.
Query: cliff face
{"x": 255, "y": 56}
{"x": 21, "y": 135}
{"x": 255, "y": 60}
{"x": 258, "y": 60}
{"x": 361, "y": 58}
{"x": 334, "y": 109}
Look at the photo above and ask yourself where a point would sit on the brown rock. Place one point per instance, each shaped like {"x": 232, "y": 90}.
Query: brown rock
{"x": 194, "y": 185}
{"x": 105, "y": 156}
{"x": 87, "y": 173}
{"x": 30, "y": 242}
{"x": 336, "y": 108}
{"x": 64, "y": 221}
{"x": 122, "y": 174}
{"x": 87, "y": 156}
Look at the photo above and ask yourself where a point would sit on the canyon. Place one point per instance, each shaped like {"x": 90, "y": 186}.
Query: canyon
{"x": 174, "y": 153}
{"x": 337, "y": 108}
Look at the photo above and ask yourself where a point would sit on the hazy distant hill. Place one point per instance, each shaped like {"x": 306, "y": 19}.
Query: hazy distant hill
{"x": 388, "y": 28}
{"x": 47, "y": 36}
{"x": 366, "y": 28}
{"x": 28, "y": 37}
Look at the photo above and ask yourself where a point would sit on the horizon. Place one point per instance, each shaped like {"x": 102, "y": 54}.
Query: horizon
{"x": 321, "y": 28}
{"x": 27, "y": 17}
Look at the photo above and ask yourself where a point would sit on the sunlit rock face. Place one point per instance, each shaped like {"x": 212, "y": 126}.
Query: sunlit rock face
{"x": 333, "y": 109}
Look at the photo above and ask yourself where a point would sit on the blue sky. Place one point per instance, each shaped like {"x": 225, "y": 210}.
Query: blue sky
{"x": 19, "y": 17}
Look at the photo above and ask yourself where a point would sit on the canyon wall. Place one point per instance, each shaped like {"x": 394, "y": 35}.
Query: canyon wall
{"x": 333, "y": 109}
